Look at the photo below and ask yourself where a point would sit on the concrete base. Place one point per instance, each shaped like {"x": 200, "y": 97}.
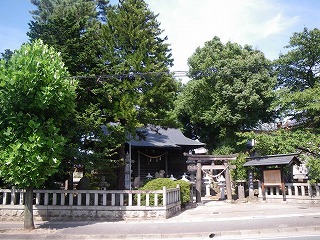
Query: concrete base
{"x": 80, "y": 213}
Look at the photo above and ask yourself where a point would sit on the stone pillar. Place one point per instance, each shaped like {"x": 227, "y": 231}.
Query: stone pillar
{"x": 228, "y": 182}
{"x": 164, "y": 189}
{"x": 241, "y": 194}
{"x": 251, "y": 188}
{"x": 198, "y": 182}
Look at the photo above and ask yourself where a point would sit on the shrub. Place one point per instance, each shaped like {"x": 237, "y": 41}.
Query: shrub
{"x": 159, "y": 183}
{"x": 185, "y": 191}
{"x": 241, "y": 172}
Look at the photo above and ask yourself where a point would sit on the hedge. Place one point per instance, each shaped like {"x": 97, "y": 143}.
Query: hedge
{"x": 159, "y": 183}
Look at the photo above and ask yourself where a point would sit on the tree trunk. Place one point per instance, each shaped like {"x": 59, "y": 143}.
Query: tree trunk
{"x": 28, "y": 209}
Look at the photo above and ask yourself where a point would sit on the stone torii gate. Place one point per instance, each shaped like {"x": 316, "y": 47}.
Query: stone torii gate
{"x": 201, "y": 159}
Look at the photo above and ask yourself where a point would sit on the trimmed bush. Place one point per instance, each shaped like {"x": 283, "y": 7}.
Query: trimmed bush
{"x": 159, "y": 183}
{"x": 185, "y": 191}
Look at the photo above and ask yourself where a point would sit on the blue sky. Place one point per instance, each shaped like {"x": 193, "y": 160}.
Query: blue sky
{"x": 14, "y": 21}
{"x": 264, "y": 24}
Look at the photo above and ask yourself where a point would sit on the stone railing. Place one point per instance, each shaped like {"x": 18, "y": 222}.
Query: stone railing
{"x": 92, "y": 204}
{"x": 294, "y": 191}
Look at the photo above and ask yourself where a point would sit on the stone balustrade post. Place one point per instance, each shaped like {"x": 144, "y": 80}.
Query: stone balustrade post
{"x": 260, "y": 188}
{"x": 164, "y": 196}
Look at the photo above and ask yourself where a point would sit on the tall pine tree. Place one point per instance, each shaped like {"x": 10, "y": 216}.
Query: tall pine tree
{"x": 74, "y": 28}
{"x": 122, "y": 44}
{"x": 146, "y": 92}
{"x": 141, "y": 91}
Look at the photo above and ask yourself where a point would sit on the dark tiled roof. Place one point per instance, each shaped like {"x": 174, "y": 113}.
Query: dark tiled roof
{"x": 271, "y": 160}
{"x": 159, "y": 137}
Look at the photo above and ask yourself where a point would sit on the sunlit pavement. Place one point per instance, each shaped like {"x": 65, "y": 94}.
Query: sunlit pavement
{"x": 212, "y": 219}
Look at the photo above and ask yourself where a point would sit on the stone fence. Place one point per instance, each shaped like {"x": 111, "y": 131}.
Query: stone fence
{"x": 92, "y": 204}
{"x": 295, "y": 192}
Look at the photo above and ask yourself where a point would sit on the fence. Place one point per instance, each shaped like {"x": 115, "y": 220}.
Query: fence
{"x": 92, "y": 204}
{"x": 293, "y": 191}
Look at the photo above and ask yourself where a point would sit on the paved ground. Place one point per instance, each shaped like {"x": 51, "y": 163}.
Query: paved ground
{"x": 216, "y": 219}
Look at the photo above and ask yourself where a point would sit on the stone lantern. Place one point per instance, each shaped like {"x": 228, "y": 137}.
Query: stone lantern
{"x": 192, "y": 169}
{"x": 149, "y": 176}
{"x": 222, "y": 184}
{"x": 185, "y": 177}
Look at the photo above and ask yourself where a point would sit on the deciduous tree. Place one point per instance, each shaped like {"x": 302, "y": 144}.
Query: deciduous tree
{"x": 36, "y": 97}
{"x": 299, "y": 80}
{"x": 231, "y": 90}
{"x": 304, "y": 141}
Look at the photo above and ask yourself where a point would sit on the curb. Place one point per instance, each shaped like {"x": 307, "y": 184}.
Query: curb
{"x": 272, "y": 232}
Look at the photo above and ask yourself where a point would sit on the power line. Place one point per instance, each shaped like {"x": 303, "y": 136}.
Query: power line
{"x": 196, "y": 74}
{"x": 132, "y": 75}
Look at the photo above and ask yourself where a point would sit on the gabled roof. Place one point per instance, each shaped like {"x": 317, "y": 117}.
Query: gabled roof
{"x": 272, "y": 160}
{"x": 159, "y": 137}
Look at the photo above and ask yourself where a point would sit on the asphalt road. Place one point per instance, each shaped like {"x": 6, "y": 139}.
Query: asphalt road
{"x": 217, "y": 220}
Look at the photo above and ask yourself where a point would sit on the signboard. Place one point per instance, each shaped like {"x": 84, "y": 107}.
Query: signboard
{"x": 272, "y": 177}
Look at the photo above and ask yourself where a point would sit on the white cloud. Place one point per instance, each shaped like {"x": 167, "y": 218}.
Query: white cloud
{"x": 188, "y": 23}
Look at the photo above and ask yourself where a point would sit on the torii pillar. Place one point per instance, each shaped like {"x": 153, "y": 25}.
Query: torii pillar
{"x": 207, "y": 158}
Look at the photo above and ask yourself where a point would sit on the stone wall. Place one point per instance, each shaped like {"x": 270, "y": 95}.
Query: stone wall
{"x": 88, "y": 213}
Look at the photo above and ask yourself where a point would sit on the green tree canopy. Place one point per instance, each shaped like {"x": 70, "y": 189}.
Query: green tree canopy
{"x": 297, "y": 96}
{"x": 298, "y": 79}
{"x": 145, "y": 94}
{"x": 36, "y": 97}
{"x": 304, "y": 141}
{"x": 123, "y": 61}
{"x": 121, "y": 43}
{"x": 74, "y": 29}
{"x": 231, "y": 90}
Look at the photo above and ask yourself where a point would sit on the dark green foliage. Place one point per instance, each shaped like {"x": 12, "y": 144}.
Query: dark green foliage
{"x": 298, "y": 69}
{"x": 135, "y": 48}
{"x": 302, "y": 140}
{"x": 73, "y": 29}
{"x": 241, "y": 172}
{"x": 123, "y": 44}
{"x": 231, "y": 90}
{"x": 159, "y": 183}
{"x": 6, "y": 55}
{"x": 297, "y": 93}
{"x": 299, "y": 80}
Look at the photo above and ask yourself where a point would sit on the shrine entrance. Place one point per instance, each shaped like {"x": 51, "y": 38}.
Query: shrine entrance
{"x": 213, "y": 166}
